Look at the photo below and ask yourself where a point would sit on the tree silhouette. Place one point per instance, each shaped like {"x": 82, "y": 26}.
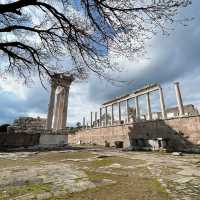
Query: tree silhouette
{"x": 39, "y": 35}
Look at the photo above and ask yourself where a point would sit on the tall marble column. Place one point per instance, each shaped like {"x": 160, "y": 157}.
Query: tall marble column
{"x": 83, "y": 122}
{"x": 95, "y": 119}
{"x": 127, "y": 111}
{"x": 112, "y": 115}
{"x": 91, "y": 120}
{"x": 60, "y": 110}
{"x": 65, "y": 107}
{"x": 51, "y": 106}
{"x": 119, "y": 107}
{"x": 137, "y": 107}
{"x": 100, "y": 117}
{"x": 56, "y": 112}
{"x": 106, "y": 116}
{"x": 162, "y": 104}
{"x": 149, "y": 107}
{"x": 179, "y": 99}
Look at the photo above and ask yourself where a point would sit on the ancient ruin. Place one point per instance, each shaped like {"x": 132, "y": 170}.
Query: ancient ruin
{"x": 134, "y": 115}
{"x": 172, "y": 129}
{"x": 38, "y": 132}
{"x": 58, "y": 104}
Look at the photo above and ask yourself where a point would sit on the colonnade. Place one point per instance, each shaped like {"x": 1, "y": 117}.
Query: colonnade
{"x": 58, "y": 103}
{"x": 135, "y": 96}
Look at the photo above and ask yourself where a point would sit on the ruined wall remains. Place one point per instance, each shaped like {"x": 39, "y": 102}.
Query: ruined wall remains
{"x": 28, "y": 131}
{"x": 15, "y": 140}
{"x": 27, "y": 124}
{"x": 181, "y": 134}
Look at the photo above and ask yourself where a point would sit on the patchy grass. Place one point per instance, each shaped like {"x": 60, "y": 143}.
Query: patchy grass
{"x": 128, "y": 183}
{"x": 134, "y": 184}
{"x": 39, "y": 158}
{"x": 33, "y": 188}
{"x": 126, "y": 188}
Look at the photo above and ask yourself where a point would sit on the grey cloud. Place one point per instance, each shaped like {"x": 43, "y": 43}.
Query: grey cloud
{"x": 170, "y": 58}
{"x": 12, "y": 106}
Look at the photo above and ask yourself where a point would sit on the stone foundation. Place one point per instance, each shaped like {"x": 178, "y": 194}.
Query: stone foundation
{"x": 46, "y": 139}
{"x": 177, "y": 134}
{"x": 30, "y": 132}
{"x": 17, "y": 140}
{"x": 53, "y": 140}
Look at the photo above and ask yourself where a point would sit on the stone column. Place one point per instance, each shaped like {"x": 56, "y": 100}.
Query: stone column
{"x": 60, "y": 110}
{"x": 91, "y": 120}
{"x": 162, "y": 104}
{"x": 106, "y": 117}
{"x": 179, "y": 99}
{"x": 83, "y": 122}
{"x": 100, "y": 117}
{"x": 119, "y": 112}
{"x": 112, "y": 115}
{"x": 51, "y": 106}
{"x": 127, "y": 111}
{"x": 137, "y": 107}
{"x": 65, "y": 107}
{"x": 95, "y": 119}
{"x": 56, "y": 112}
{"x": 149, "y": 107}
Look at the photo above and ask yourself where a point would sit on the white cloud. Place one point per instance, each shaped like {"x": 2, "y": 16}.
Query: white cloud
{"x": 15, "y": 87}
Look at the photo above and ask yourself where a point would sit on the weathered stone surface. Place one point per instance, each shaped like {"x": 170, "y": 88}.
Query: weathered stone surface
{"x": 180, "y": 177}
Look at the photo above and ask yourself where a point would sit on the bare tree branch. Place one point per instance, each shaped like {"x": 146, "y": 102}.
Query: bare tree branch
{"x": 89, "y": 33}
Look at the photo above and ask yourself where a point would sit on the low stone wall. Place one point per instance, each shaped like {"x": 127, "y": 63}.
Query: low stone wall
{"x": 31, "y": 138}
{"x": 53, "y": 140}
{"x": 181, "y": 134}
{"x": 18, "y": 140}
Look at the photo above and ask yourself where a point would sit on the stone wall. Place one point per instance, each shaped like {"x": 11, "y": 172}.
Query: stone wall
{"x": 18, "y": 140}
{"x": 181, "y": 134}
{"x": 28, "y": 132}
{"x": 27, "y": 123}
{"x": 53, "y": 140}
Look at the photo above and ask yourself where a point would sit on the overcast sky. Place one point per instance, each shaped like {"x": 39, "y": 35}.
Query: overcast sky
{"x": 168, "y": 59}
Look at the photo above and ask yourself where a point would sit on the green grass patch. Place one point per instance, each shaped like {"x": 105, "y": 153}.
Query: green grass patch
{"x": 136, "y": 184}
{"x": 33, "y": 188}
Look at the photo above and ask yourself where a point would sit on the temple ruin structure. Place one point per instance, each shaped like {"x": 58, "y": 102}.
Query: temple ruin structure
{"x": 135, "y": 115}
{"x": 30, "y": 132}
{"x": 58, "y": 104}
{"x": 174, "y": 129}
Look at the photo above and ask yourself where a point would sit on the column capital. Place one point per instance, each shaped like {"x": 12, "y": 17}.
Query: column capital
{"x": 176, "y": 83}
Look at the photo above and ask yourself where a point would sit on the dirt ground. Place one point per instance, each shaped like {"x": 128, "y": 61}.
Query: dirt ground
{"x": 99, "y": 173}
